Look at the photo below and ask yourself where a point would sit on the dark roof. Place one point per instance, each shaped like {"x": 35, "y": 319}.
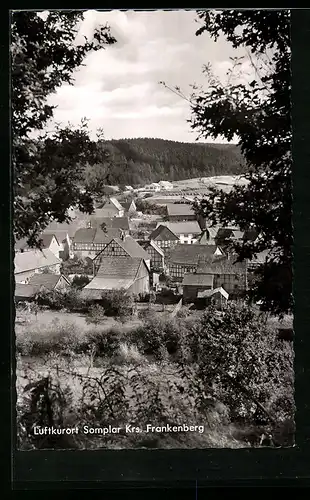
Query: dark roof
{"x": 191, "y": 254}
{"x": 163, "y": 233}
{"x": 221, "y": 265}
{"x": 47, "y": 239}
{"x": 174, "y": 209}
{"x": 48, "y": 280}
{"x": 186, "y": 227}
{"x": 150, "y": 243}
{"x": 132, "y": 247}
{"x": 106, "y": 236}
{"x": 85, "y": 235}
{"x": 250, "y": 234}
{"x": 198, "y": 280}
{"x": 112, "y": 222}
{"x": 115, "y": 267}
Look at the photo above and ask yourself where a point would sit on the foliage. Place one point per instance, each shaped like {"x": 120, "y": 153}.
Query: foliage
{"x": 96, "y": 314}
{"x": 258, "y": 113}
{"x": 48, "y": 170}
{"x": 147, "y": 207}
{"x": 69, "y": 299}
{"x": 117, "y": 303}
{"x": 241, "y": 363}
{"x": 77, "y": 265}
{"x": 80, "y": 281}
{"x": 144, "y": 160}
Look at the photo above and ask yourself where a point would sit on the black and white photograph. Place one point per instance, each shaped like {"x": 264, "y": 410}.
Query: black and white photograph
{"x": 152, "y": 229}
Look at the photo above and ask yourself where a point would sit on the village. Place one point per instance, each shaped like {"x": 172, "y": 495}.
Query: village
{"x": 147, "y": 242}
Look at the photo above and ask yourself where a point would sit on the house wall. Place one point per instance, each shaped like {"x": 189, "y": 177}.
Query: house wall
{"x": 166, "y": 243}
{"x": 190, "y": 291}
{"x": 142, "y": 282}
{"x": 232, "y": 283}
{"x": 187, "y": 238}
{"x": 181, "y": 218}
{"x": 112, "y": 211}
{"x": 54, "y": 247}
{"x": 177, "y": 271}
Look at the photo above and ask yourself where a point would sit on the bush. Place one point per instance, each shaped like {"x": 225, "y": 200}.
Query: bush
{"x": 96, "y": 314}
{"x": 80, "y": 281}
{"x": 117, "y": 303}
{"x": 105, "y": 343}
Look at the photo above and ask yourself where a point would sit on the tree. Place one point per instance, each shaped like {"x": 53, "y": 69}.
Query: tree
{"x": 48, "y": 170}
{"x": 256, "y": 111}
{"x": 259, "y": 114}
{"x": 80, "y": 281}
{"x": 239, "y": 361}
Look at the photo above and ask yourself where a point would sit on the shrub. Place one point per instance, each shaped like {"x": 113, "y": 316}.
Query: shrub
{"x": 96, "y": 314}
{"x": 117, "y": 303}
{"x": 105, "y": 343}
{"x": 80, "y": 281}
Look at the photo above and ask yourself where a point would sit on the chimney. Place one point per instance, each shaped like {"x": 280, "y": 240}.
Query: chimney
{"x": 122, "y": 235}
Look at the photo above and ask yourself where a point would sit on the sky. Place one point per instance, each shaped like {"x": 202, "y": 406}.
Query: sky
{"x": 118, "y": 89}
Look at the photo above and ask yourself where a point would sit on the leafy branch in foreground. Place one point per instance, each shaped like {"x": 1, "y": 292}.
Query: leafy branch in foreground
{"x": 48, "y": 170}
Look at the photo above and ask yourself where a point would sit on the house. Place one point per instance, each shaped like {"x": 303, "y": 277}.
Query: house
{"x": 115, "y": 273}
{"x": 178, "y": 212}
{"x": 194, "y": 283}
{"x": 49, "y": 241}
{"x": 34, "y": 261}
{"x": 88, "y": 242}
{"x": 152, "y": 187}
{"x": 121, "y": 248}
{"x": 227, "y": 273}
{"x": 164, "y": 237}
{"x": 120, "y": 223}
{"x": 156, "y": 254}
{"x": 64, "y": 232}
{"x": 259, "y": 259}
{"x": 112, "y": 208}
{"x": 218, "y": 297}
{"x": 24, "y": 292}
{"x": 184, "y": 259}
{"x": 50, "y": 281}
{"x": 129, "y": 207}
{"x": 168, "y": 186}
{"x": 187, "y": 232}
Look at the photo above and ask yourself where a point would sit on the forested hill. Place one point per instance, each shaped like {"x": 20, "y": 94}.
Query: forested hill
{"x": 145, "y": 160}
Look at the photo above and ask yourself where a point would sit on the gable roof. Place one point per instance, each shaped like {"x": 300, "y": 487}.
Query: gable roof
{"x": 114, "y": 202}
{"x": 221, "y": 265}
{"x": 187, "y": 227}
{"x": 85, "y": 235}
{"x": 174, "y": 209}
{"x": 113, "y": 222}
{"x": 65, "y": 228}
{"x": 106, "y": 236}
{"x": 163, "y": 233}
{"x": 191, "y": 254}
{"x": 114, "y": 273}
{"x": 127, "y": 204}
{"x": 132, "y": 247}
{"x": 34, "y": 259}
{"x": 127, "y": 267}
{"x": 150, "y": 243}
{"x": 47, "y": 239}
{"x": 48, "y": 280}
{"x": 192, "y": 279}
